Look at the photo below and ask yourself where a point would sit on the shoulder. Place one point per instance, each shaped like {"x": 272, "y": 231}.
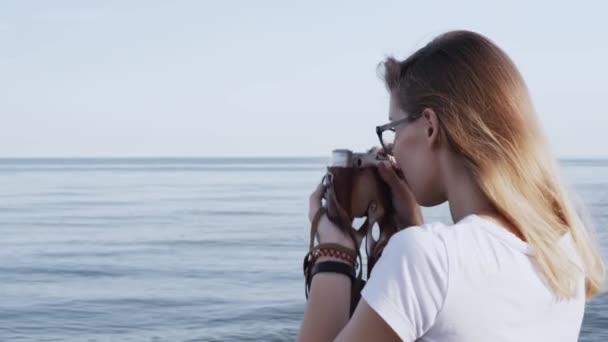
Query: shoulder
{"x": 408, "y": 285}
{"x": 420, "y": 242}
{"x": 420, "y": 252}
{"x": 428, "y": 250}
{"x": 435, "y": 237}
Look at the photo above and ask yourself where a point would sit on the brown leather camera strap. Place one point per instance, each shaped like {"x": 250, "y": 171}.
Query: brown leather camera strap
{"x": 309, "y": 259}
{"x": 344, "y": 223}
{"x": 314, "y": 229}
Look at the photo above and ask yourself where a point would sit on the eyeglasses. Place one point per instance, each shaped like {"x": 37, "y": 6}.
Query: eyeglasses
{"x": 386, "y": 132}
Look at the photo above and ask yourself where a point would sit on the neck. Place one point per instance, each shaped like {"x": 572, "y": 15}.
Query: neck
{"x": 463, "y": 194}
{"x": 465, "y": 197}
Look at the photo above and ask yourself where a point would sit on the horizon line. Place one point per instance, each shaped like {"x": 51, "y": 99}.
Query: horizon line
{"x": 229, "y": 157}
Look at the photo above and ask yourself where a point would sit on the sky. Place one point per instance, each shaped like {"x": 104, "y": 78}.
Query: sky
{"x": 268, "y": 78}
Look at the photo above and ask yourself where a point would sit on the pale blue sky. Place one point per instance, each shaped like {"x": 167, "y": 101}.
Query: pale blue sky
{"x": 268, "y": 78}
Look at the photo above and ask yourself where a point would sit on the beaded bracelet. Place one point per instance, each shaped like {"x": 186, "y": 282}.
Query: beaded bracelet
{"x": 335, "y": 250}
{"x": 332, "y": 250}
{"x": 335, "y": 253}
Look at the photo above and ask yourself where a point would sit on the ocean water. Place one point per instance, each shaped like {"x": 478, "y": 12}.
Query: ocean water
{"x": 178, "y": 249}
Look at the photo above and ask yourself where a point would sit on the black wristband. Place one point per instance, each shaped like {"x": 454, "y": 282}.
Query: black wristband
{"x": 334, "y": 267}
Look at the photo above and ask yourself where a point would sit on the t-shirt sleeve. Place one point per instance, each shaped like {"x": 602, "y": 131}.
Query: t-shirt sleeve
{"x": 408, "y": 284}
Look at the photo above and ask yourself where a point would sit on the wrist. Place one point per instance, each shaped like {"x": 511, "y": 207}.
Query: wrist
{"x": 328, "y": 232}
{"x": 333, "y": 266}
{"x": 323, "y": 258}
{"x": 334, "y": 252}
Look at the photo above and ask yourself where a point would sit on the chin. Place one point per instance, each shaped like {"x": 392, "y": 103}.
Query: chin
{"x": 430, "y": 201}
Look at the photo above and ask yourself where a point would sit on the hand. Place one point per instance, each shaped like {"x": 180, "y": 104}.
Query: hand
{"x": 403, "y": 199}
{"x": 328, "y": 232}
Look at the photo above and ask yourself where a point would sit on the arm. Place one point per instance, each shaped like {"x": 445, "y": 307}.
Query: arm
{"x": 327, "y": 308}
{"x": 400, "y": 301}
{"x": 367, "y": 325}
{"x": 326, "y": 315}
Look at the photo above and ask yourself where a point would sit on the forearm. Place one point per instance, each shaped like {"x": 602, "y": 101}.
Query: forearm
{"x": 328, "y": 307}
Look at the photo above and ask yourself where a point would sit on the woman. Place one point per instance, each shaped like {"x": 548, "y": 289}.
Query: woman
{"x": 517, "y": 264}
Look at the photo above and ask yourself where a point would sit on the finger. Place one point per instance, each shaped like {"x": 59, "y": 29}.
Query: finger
{"x": 315, "y": 201}
{"x": 317, "y": 195}
{"x": 379, "y": 152}
{"x": 385, "y": 151}
{"x": 388, "y": 173}
{"x": 318, "y": 190}
{"x": 375, "y": 149}
{"x": 313, "y": 207}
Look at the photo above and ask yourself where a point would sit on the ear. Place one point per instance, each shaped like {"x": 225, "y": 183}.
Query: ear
{"x": 432, "y": 127}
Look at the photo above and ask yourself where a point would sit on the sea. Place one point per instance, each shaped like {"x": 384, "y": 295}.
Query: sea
{"x": 180, "y": 249}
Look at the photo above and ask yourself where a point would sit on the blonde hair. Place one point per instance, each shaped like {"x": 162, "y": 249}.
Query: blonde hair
{"x": 486, "y": 114}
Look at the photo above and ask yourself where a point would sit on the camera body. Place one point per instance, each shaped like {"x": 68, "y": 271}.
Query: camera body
{"x": 354, "y": 189}
{"x": 358, "y": 189}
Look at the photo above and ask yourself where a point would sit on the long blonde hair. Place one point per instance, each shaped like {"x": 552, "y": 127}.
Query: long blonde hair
{"x": 485, "y": 111}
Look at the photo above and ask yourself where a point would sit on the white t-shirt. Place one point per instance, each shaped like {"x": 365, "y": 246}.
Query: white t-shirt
{"x": 471, "y": 281}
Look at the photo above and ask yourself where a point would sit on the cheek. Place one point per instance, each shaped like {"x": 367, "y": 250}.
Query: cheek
{"x": 406, "y": 155}
{"x": 419, "y": 170}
